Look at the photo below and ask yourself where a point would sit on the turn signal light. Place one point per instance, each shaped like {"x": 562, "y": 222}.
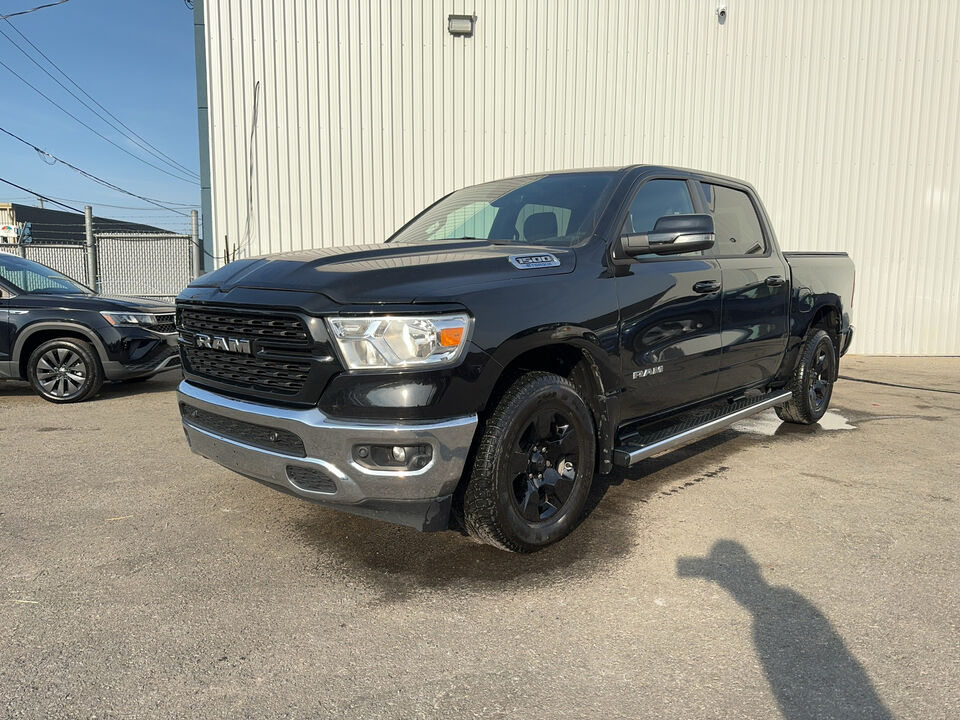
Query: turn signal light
{"x": 451, "y": 336}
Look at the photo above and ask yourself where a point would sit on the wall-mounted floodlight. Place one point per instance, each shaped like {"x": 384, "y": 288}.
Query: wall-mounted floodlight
{"x": 461, "y": 25}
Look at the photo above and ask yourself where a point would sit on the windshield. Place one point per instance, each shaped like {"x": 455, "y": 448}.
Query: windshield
{"x": 558, "y": 209}
{"x": 27, "y": 276}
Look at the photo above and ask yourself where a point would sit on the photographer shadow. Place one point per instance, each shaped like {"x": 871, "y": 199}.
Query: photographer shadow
{"x": 809, "y": 668}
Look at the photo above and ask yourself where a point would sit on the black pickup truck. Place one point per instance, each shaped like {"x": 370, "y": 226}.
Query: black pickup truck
{"x": 508, "y": 344}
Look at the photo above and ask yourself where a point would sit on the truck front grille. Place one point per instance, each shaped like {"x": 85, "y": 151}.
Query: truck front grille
{"x": 284, "y": 360}
{"x": 237, "y": 324}
{"x": 283, "y": 377}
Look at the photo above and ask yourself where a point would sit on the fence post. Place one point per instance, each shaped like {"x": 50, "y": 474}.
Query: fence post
{"x": 92, "y": 276}
{"x": 195, "y": 258}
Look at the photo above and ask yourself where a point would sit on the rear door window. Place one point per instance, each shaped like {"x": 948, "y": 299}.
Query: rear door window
{"x": 736, "y": 225}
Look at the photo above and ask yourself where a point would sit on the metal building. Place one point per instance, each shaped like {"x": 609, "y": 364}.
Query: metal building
{"x": 327, "y": 123}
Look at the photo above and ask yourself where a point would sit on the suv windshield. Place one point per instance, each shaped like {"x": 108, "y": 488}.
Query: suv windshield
{"x": 557, "y": 209}
{"x": 26, "y": 276}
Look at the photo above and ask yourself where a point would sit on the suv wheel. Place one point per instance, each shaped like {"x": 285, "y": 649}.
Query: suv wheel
{"x": 65, "y": 371}
{"x": 534, "y": 465}
{"x": 812, "y": 382}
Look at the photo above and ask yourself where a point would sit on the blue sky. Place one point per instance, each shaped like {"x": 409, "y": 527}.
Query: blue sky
{"x": 135, "y": 57}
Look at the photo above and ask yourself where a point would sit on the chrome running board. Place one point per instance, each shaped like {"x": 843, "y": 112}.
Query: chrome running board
{"x": 644, "y": 445}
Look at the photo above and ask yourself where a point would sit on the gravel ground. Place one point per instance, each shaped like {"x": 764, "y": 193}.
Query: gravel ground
{"x": 769, "y": 571}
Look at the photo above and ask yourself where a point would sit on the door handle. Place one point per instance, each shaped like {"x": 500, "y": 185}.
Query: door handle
{"x": 775, "y": 281}
{"x": 706, "y": 286}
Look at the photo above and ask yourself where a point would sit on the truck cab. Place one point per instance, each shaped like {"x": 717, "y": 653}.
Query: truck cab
{"x": 512, "y": 341}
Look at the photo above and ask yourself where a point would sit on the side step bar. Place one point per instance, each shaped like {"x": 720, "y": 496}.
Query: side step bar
{"x": 643, "y": 447}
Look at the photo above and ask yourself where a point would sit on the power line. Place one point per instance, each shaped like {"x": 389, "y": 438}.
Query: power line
{"x": 36, "y": 194}
{"x": 133, "y": 136}
{"x": 94, "y": 131}
{"x": 96, "y": 179}
{"x": 91, "y": 176}
{"x": 26, "y": 12}
{"x": 187, "y": 206}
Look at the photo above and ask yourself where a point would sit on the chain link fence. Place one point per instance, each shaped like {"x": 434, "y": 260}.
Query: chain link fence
{"x": 157, "y": 266}
{"x": 140, "y": 265}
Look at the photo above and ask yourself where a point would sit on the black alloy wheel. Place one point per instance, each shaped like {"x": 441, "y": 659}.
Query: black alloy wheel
{"x": 812, "y": 382}
{"x": 533, "y": 466}
{"x": 544, "y": 464}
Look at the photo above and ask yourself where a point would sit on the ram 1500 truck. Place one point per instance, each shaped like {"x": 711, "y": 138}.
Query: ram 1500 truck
{"x": 507, "y": 345}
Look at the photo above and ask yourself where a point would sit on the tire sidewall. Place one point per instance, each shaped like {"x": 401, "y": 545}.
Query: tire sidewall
{"x": 820, "y": 339}
{"x": 554, "y": 528}
{"x": 91, "y": 363}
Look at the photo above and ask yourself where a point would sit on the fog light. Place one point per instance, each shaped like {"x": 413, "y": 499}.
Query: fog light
{"x": 393, "y": 457}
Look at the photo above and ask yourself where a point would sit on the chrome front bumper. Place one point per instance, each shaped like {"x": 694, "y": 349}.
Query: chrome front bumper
{"x": 420, "y": 498}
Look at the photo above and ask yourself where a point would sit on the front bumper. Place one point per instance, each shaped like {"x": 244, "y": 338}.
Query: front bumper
{"x": 233, "y": 433}
{"x": 162, "y": 354}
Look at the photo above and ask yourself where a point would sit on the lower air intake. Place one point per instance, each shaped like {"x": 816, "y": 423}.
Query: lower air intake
{"x": 311, "y": 480}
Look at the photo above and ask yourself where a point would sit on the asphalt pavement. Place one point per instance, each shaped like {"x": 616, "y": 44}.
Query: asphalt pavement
{"x": 769, "y": 571}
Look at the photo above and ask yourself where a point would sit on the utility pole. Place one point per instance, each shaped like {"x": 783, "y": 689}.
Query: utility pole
{"x": 195, "y": 257}
{"x": 92, "y": 280}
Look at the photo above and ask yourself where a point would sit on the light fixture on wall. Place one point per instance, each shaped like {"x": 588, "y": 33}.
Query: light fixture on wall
{"x": 461, "y": 25}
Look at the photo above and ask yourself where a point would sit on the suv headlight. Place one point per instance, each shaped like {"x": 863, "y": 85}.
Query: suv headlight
{"x": 125, "y": 319}
{"x": 401, "y": 341}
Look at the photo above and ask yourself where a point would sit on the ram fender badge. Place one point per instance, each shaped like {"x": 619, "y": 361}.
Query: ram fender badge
{"x": 530, "y": 262}
{"x": 655, "y": 370}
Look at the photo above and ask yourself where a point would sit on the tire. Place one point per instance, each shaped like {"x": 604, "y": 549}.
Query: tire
{"x": 65, "y": 371}
{"x": 812, "y": 381}
{"x": 517, "y": 497}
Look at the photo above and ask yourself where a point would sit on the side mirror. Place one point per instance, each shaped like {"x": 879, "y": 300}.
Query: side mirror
{"x": 672, "y": 235}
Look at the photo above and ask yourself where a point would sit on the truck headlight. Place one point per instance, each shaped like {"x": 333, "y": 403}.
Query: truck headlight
{"x": 401, "y": 341}
{"x": 126, "y": 319}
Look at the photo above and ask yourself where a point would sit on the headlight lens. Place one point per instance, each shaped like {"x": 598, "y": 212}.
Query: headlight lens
{"x": 385, "y": 342}
{"x": 125, "y": 319}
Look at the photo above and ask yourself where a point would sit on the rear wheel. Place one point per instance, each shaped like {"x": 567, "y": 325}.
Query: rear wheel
{"x": 65, "y": 371}
{"x": 812, "y": 382}
{"x": 533, "y": 467}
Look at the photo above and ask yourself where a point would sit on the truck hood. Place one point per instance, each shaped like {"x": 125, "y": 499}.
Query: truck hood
{"x": 389, "y": 273}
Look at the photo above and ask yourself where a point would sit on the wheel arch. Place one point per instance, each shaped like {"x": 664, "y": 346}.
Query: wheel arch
{"x": 33, "y": 335}
{"x": 579, "y": 360}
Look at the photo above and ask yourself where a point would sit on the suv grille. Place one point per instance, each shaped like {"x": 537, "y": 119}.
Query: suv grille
{"x": 165, "y": 323}
{"x": 284, "y": 360}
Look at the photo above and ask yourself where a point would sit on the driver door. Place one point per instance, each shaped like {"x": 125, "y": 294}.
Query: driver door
{"x": 669, "y": 312}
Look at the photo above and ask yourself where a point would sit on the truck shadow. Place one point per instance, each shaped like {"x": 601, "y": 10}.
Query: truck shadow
{"x": 810, "y": 670}
{"x": 401, "y": 562}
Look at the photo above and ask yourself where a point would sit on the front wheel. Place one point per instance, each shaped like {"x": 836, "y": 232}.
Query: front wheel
{"x": 533, "y": 467}
{"x": 65, "y": 371}
{"x": 812, "y": 382}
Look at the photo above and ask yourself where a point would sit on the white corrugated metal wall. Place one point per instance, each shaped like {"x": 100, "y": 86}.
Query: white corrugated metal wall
{"x": 843, "y": 114}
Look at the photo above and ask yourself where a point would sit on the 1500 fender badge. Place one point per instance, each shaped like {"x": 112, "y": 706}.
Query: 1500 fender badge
{"x": 529, "y": 262}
